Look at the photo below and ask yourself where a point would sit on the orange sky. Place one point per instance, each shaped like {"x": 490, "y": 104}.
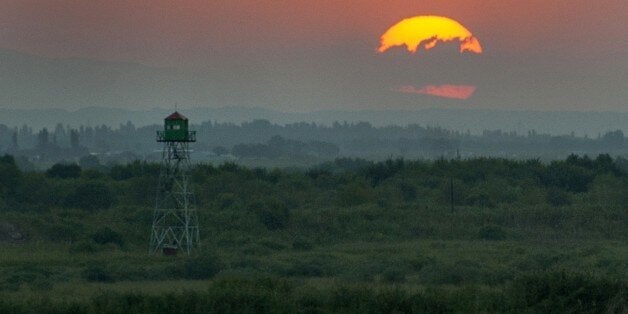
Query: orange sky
{"x": 162, "y": 31}
{"x": 317, "y": 54}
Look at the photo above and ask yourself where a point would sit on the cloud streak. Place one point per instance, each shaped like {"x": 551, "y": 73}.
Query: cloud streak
{"x": 445, "y": 91}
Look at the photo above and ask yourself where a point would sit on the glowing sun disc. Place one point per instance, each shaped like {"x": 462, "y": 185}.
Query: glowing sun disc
{"x": 428, "y": 30}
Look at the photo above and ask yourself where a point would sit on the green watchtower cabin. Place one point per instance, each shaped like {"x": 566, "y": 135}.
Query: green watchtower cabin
{"x": 176, "y": 129}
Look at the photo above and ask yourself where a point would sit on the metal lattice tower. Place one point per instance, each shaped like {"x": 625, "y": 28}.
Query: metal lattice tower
{"x": 175, "y": 220}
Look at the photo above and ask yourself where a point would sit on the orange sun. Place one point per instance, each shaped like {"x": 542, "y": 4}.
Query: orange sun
{"x": 428, "y": 30}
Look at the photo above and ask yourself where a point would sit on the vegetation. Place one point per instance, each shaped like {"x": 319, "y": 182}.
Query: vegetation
{"x": 260, "y": 142}
{"x": 347, "y": 235}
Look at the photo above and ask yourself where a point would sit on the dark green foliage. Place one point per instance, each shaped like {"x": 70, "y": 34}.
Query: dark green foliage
{"x": 354, "y": 194}
{"x": 552, "y": 292}
{"x": 394, "y": 275}
{"x": 64, "y": 171}
{"x": 37, "y": 278}
{"x": 134, "y": 169}
{"x": 10, "y": 175}
{"x": 84, "y": 247}
{"x": 35, "y": 192}
{"x": 408, "y": 191}
{"x": 202, "y": 265}
{"x": 569, "y": 175}
{"x": 492, "y": 233}
{"x": 564, "y": 292}
{"x": 557, "y": 197}
{"x": 65, "y": 231}
{"x": 381, "y": 171}
{"x": 302, "y": 244}
{"x": 91, "y": 196}
{"x": 96, "y": 272}
{"x": 345, "y": 236}
{"x": 107, "y": 235}
{"x": 271, "y": 212}
{"x": 452, "y": 273}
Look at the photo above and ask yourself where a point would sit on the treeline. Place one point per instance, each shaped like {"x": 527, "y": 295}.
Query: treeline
{"x": 343, "y": 182}
{"x": 262, "y": 139}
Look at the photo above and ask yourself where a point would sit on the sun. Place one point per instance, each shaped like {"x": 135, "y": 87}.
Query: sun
{"x": 428, "y": 30}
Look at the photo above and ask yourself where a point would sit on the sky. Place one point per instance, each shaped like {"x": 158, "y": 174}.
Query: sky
{"x": 315, "y": 55}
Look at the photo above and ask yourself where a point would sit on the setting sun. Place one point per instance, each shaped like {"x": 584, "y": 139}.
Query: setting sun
{"x": 428, "y": 30}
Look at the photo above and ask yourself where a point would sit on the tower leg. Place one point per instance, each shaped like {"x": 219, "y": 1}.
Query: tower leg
{"x": 175, "y": 221}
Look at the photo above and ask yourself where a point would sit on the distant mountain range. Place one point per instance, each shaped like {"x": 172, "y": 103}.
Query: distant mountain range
{"x": 473, "y": 120}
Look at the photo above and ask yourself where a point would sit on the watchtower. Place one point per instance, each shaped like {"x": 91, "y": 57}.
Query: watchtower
{"x": 175, "y": 220}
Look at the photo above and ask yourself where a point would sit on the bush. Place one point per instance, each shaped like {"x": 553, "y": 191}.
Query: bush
{"x": 64, "y": 231}
{"x": 565, "y": 292}
{"x": 310, "y": 268}
{"x": 302, "y": 244}
{"x": 84, "y": 247}
{"x": 106, "y": 235}
{"x": 313, "y": 266}
{"x": 408, "y": 191}
{"x": 91, "y": 196}
{"x": 95, "y": 272}
{"x": 393, "y": 275}
{"x": 202, "y": 266}
{"x": 492, "y": 233}
{"x": 557, "y": 197}
{"x": 64, "y": 171}
{"x": 271, "y": 212}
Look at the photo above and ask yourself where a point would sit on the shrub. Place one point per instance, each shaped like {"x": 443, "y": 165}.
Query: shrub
{"x": 64, "y": 171}
{"x": 309, "y": 268}
{"x": 96, "y": 272}
{"x": 408, "y": 191}
{"x": 302, "y": 244}
{"x": 202, "y": 266}
{"x": 106, "y": 235}
{"x": 64, "y": 231}
{"x": 91, "y": 196}
{"x": 565, "y": 292}
{"x": 271, "y": 212}
{"x": 393, "y": 275}
{"x": 557, "y": 197}
{"x": 84, "y": 247}
{"x": 354, "y": 194}
{"x": 492, "y": 233}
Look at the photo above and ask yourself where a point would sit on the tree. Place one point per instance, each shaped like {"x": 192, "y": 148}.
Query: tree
{"x": 14, "y": 144}
{"x": 91, "y": 196}
{"x": 43, "y": 138}
{"x": 64, "y": 171}
{"x": 10, "y": 175}
{"x": 74, "y": 139}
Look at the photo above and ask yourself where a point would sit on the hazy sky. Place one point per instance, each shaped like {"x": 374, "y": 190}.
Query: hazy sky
{"x": 310, "y": 55}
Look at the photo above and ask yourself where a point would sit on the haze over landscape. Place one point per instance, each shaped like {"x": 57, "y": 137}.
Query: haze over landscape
{"x": 403, "y": 156}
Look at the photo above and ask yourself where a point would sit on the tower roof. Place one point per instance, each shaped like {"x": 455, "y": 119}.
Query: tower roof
{"x": 176, "y": 116}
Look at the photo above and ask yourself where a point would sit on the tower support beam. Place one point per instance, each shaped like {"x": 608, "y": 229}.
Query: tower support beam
{"x": 175, "y": 219}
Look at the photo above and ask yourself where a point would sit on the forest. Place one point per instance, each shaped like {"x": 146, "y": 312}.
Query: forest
{"x": 346, "y": 235}
{"x": 260, "y": 143}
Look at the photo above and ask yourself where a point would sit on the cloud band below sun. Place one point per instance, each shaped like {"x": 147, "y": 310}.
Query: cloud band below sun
{"x": 446, "y": 91}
